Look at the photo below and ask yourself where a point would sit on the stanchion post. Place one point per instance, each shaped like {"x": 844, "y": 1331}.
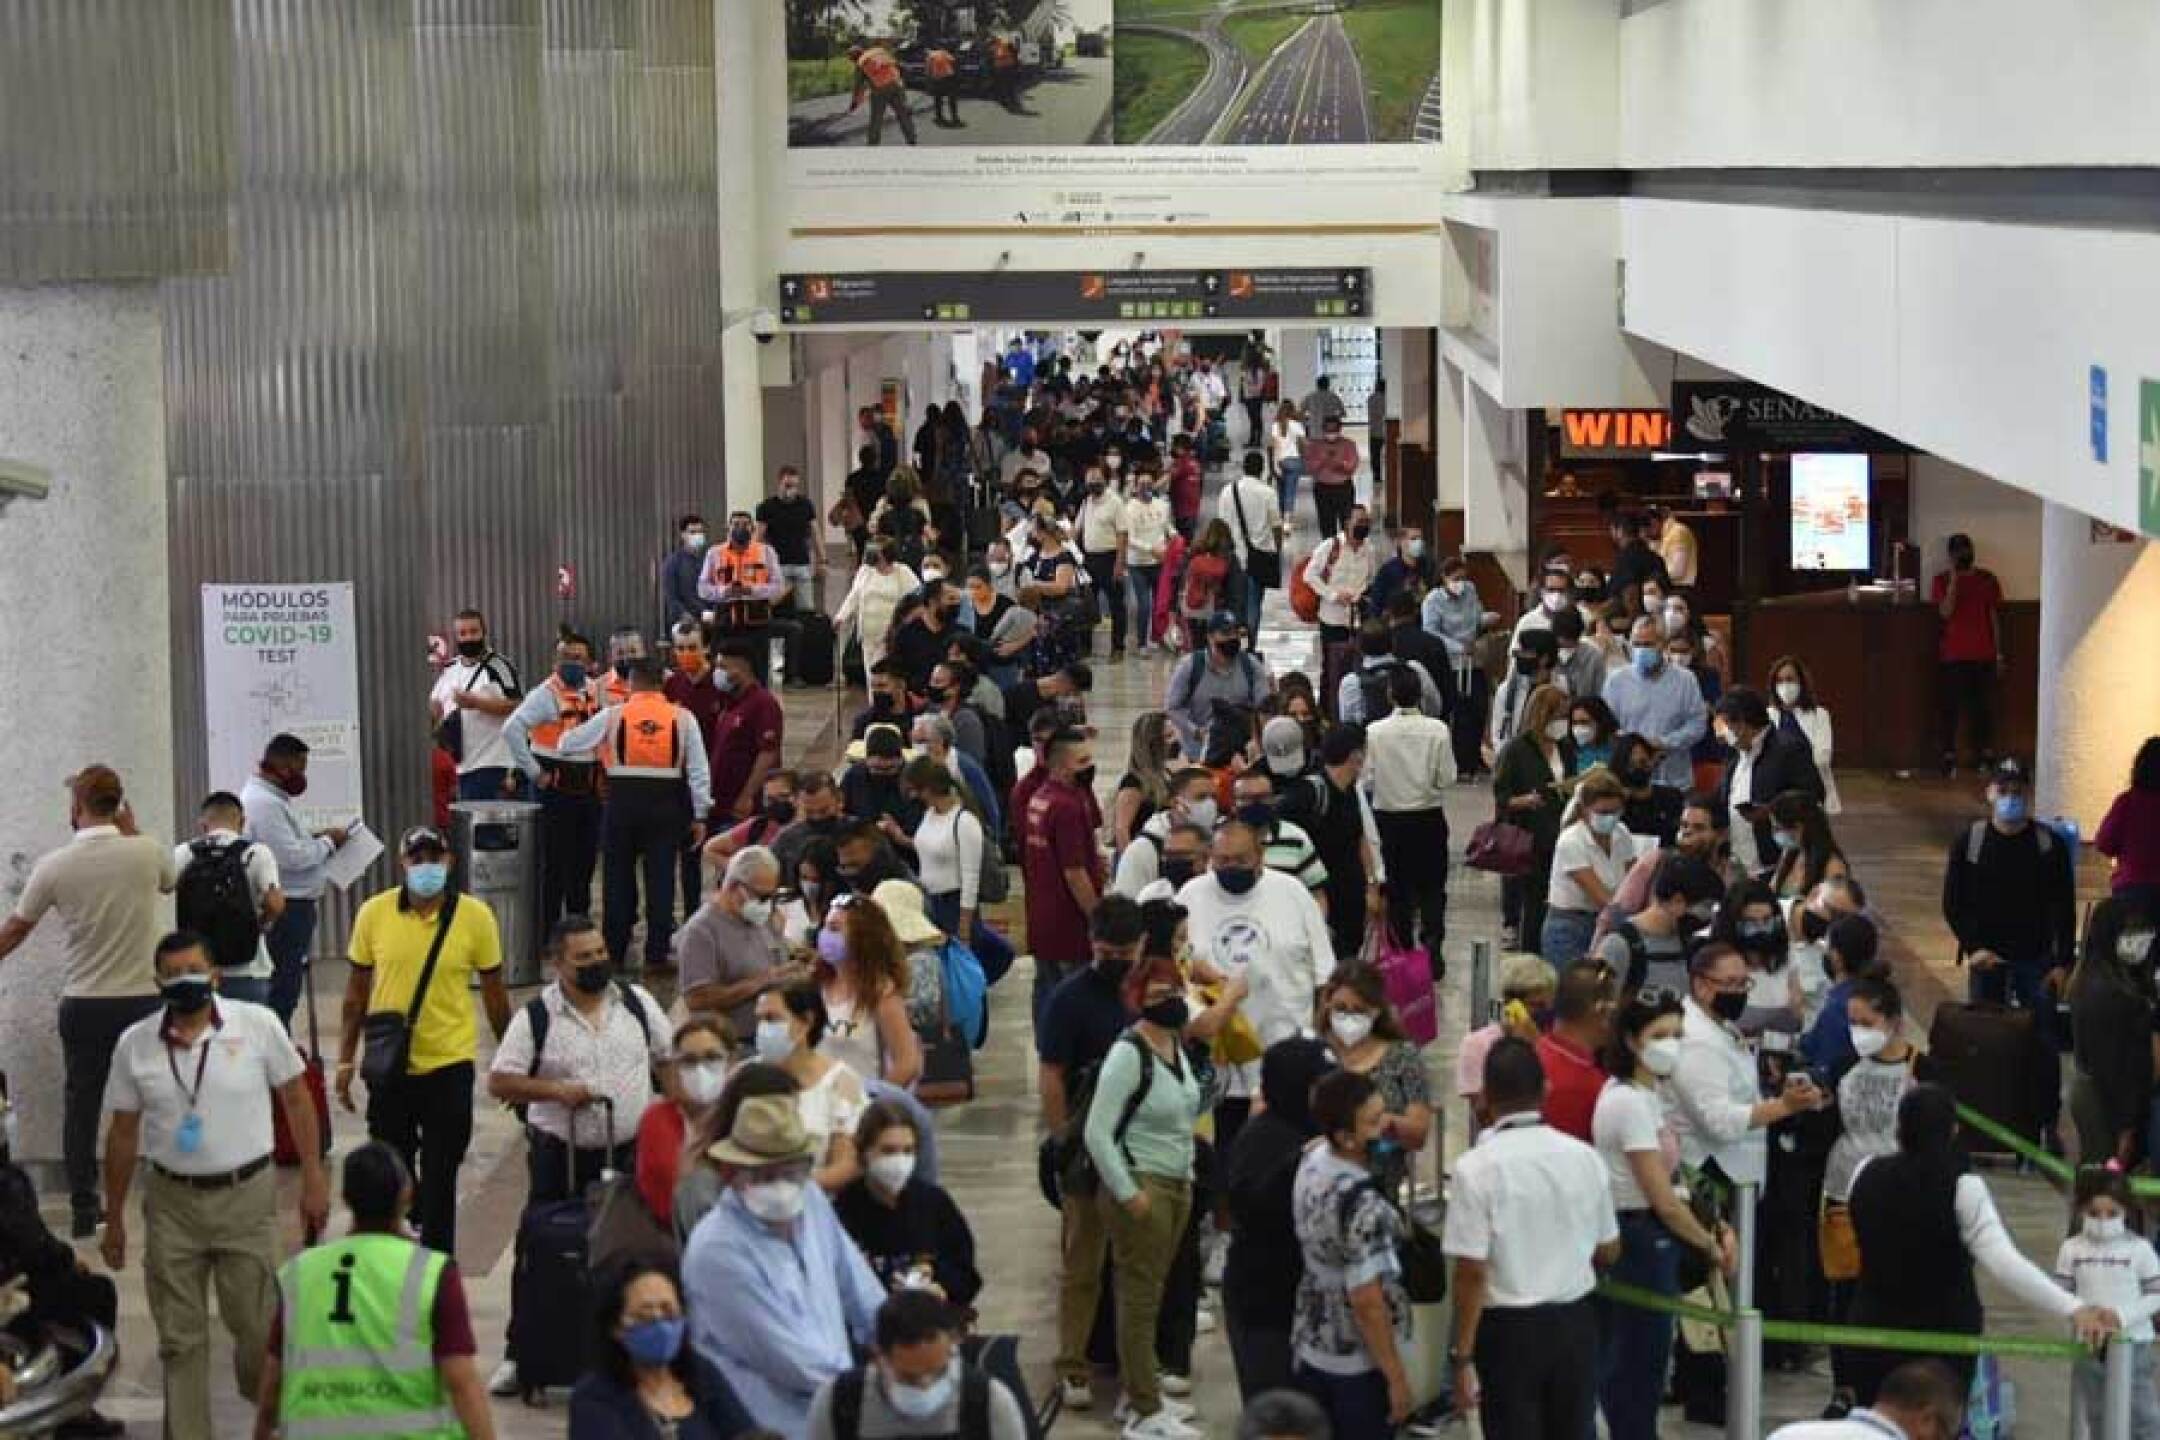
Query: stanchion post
{"x": 1480, "y": 984}
{"x": 1743, "y": 1390}
{"x": 1744, "y": 1226}
{"x": 2115, "y": 1411}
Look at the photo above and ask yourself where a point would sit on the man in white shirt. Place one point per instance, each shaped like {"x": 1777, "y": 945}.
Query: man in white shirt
{"x": 190, "y": 1092}
{"x": 273, "y": 819}
{"x": 1101, "y": 532}
{"x": 1147, "y": 534}
{"x": 1556, "y": 592}
{"x": 231, "y": 919}
{"x": 1409, "y": 765}
{"x": 1920, "y": 1400}
{"x": 473, "y": 695}
{"x": 1530, "y": 1220}
{"x": 1338, "y": 570}
{"x": 581, "y": 1056}
{"x": 1718, "y": 1113}
{"x": 1249, "y": 506}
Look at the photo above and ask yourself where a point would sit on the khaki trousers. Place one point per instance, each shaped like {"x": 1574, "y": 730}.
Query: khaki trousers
{"x": 1141, "y": 1252}
{"x": 197, "y": 1239}
{"x": 1082, "y": 1243}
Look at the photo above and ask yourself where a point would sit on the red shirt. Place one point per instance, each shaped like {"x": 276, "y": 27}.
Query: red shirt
{"x": 749, "y": 726}
{"x": 660, "y": 1135}
{"x": 1057, "y": 834}
{"x": 1185, "y": 488}
{"x": 1969, "y": 633}
{"x": 1205, "y": 575}
{"x": 703, "y": 699}
{"x": 1573, "y": 1079}
{"x": 2130, "y": 836}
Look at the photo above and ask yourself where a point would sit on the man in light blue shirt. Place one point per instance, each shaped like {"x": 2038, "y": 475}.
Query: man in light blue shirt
{"x": 777, "y": 1292}
{"x": 1660, "y": 702}
{"x": 273, "y": 822}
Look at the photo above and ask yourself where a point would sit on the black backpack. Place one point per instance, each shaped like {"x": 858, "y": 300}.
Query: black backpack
{"x": 847, "y": 1396}
{"x": 1076, "y": 1168}
{"x": 216, "y": 902}
{"x": 1373, "y": 686}
{"x": 1638, "y": 956}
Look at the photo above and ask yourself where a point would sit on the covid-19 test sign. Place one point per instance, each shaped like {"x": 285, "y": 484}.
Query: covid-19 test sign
{"x": 284, "y": 658}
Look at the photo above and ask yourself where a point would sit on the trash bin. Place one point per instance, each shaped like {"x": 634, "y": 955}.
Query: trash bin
{"x": 498, "y": 855}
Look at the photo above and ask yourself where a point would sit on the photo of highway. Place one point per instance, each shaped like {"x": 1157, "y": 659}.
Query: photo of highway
{"x": 993, "y": 73}
{"x": 1277, "y": 72}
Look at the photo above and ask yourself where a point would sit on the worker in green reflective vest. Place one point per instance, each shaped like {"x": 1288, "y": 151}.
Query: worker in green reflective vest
{"x": 373, "y": 1337}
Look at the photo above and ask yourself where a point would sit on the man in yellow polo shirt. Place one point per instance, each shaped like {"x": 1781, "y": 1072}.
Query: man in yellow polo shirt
{"x": 426, "y": 1114}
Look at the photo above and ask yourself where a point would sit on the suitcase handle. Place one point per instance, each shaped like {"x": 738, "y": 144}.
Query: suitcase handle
{"x": 570, "y": 1146}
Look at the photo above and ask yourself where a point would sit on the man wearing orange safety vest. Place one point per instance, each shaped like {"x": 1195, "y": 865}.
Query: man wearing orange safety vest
{"x": 740, "y": 583}
{"x": 877, "y": 75}
{"x": 659, "y": 788}
{"x": 943, "y": 72}
{"x": 568, "y": 787}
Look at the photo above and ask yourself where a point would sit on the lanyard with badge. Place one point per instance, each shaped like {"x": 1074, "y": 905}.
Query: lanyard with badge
{"x": 189, "y": 1136}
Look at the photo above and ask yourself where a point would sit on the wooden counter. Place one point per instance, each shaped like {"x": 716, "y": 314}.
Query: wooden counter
{"x": 1873, "y": 665}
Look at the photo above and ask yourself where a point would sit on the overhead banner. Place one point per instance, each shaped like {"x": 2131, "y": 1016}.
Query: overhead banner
{"x": 284, "y": 658}
{"x": 1741, "y": 415}
{"x": 1075, "y": 296}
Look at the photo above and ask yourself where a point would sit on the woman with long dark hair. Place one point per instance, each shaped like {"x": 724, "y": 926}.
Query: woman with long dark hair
{"x": 1808, "y": 853}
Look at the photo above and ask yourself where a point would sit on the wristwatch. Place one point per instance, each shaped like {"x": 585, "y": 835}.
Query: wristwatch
{"x": 1457, "y": 1358}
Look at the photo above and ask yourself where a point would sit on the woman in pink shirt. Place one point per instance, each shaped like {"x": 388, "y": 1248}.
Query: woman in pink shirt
{"x": 2130, "y": 835}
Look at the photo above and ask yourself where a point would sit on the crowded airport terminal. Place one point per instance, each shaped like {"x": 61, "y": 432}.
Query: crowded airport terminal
{"x": 1102, "y": 719}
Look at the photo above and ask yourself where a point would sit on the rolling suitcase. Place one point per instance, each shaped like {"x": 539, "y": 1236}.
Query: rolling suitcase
{"x": 551, "y": 1283}
{"x": 288, "y": 1153}
{"x": 1989, "y": 1056}
{"x": 810, "y": 655}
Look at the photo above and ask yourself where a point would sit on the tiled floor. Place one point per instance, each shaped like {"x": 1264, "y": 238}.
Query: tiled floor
{"x": 1895, "y": 832}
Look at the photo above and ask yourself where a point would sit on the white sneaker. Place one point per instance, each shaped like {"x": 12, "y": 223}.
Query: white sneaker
{"x": 504, "y": 1382}
{"x": 1175, "y": 1409}
{"x": 1162, "y": 1425}
{"x": 1203, "y": 1321}
{"x": 1075, "y": 1394}
{"x": 1176, "y": 1384}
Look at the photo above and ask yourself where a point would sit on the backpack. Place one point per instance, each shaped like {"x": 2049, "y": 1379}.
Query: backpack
{"x": 967, "y": 1003}
{"x": 216, "y": 902}
{"x": 1638, "y": 955}
{"x": 1373, "y": 686}
{"x": 904, "y": 526}
{"x": 847, "y": 1395}
{"x": 1077, "y": 1174}
{"x": 1248, "y": 667}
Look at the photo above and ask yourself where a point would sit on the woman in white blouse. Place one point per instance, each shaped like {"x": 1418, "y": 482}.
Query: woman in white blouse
{"x": 1286, "y": 453}
{"x": 1589, "y": 862}
{"x": 1796, "y": 711}
{"x": 949, "y": 843}
{"x": 879, "y": 587}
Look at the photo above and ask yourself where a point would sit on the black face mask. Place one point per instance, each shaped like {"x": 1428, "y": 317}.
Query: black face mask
{"x": 1237, "y": 879}
{"x": 1962, "y": 559}
{"x": 1177, "y": 869}
{"x": 1227, "y": 649}
{"x": 1526, "y": 665}
{"x": 780, "y": 812}
{"x": 1729, "y": 1005}
{"x": 1112, "y": 967}
{"x": 1084, "y": 778}
{"x": 472, "y": 649}
{"x": 740, "y": 534}
{"x": 1170, "y": 1014}
{"x": 1359, "y": 532}
{"x": 591, "y": 979}
{"x": 937, "y": 694}
{"x": 187, "y": 994}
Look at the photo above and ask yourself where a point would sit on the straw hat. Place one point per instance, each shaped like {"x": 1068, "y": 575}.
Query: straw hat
{"x": 768, "y": 1131}
{"x": 902, "y": 903}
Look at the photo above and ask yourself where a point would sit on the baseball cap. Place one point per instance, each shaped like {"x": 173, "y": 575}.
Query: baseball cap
{"x": 1282, "y": 743}
{"x": 422, "y": 837}
{"x": 1222, "y": 622}
{"x": 2009, "y": 771}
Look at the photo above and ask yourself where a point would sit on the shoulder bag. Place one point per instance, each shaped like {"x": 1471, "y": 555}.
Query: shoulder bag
{"x": 386, "y": 1035}
{"x": 1262, "y": 567}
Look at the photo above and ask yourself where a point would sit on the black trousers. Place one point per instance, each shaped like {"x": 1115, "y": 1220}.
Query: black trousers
{"x": 569, "y": 852}
{"x": 1535, "y": 1366}
{"x": 1253, "y": 425}
{"x": 1466, "y": 727}
{"x": 1334, "y": 503}
{"x": 90, "y": 1029}
{"x": 1110, "y": 593}
{"x": 428, "y": 1120}
{"x": 643, "y": 833}
{"x": 1965, "y": 689}
{"x": 1415, "y": 845}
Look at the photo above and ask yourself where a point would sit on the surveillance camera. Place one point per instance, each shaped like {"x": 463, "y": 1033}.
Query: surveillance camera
{"x": 764, "y": 325}
{"x": 20, "y": 480}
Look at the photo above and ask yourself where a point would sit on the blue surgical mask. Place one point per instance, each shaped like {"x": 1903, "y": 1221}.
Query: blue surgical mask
{"x": 654, "y": 1343}
{"x": 922, "y": 1402}
{"x": 1604, "y": 822}
{"x": 427, "y": 880}
{"x": 2011, "y": 809}
{"x": 1647, "y": 658}
{"x": 1784, "y": 839}
{"x": 571, "y": 674}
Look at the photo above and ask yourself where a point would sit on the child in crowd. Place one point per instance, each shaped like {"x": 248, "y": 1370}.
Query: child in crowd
{"x": 2106, "y": 1263}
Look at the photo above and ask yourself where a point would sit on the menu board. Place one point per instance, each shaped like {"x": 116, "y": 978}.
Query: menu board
{"x": 1830, "y": 512}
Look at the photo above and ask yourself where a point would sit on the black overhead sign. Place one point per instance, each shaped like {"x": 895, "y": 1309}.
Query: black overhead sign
{"x": 1741, "y": 415}
{"x": 1078, "y": 296}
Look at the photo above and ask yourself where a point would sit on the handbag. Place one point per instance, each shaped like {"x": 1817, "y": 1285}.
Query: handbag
{"x": 623, "y": 1228}
{"x": 1262, "y": 567}
{"x": 948, "y": 1069}
{"x": 386, "y": 1035}
{"x": 1406, "y": 972}
{"x": 1501, "y": 847}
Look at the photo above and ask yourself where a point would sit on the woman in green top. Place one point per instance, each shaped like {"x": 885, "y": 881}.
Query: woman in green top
{"x": 1146, "y": 1164}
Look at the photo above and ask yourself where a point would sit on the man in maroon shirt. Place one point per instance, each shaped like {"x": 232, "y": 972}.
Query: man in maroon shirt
{"x": 693, "y": 684}
{"x": 1332, "y": 461}
{"x": 745, "y": 739}
{"x": 1582, "y": 1023}
{"x": 1969, "y": 652}
{"x": 1060, "y": 860}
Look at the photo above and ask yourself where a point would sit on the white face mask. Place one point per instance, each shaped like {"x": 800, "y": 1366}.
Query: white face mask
{"x": 1567, "y": 653}
{"x": 1202, "y": 812}
{"x": 757, "y": 912}
{"x": 921, "y": 1402}
{"x": 891, "y": 1172}
{"x": 1788, "y": 693}
{"x": 1662, "y": 1056}
{"x": 2099, "y": 1227}
{"x": 1554, "y": 601}
{"x": 701, "y": 1084}
{"x": 1557, "y": 730}
{"x": 1584, "y": 734}
{"x": 1868, "y": 1041}
{"x": 1604, "y": 822}
{"x": 1455, "y": 587}
{"x": 1350, "y": 1029}
{"x": 774, "y": 1201}
{"x": 775, "y": 1041}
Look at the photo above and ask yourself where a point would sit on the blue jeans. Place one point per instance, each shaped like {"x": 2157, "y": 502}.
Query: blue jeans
{"x": 1249, "y": 597}
{"x": 289, "y": 940}
{"x": 1634, "y": 1345}
{"x": 1141, "y": 580}
{"x": 1286, "y": 482}
{"x": 484, "y": 784}
{"x": 1565, "y": 937}
{"x": 1356, "y": 1405}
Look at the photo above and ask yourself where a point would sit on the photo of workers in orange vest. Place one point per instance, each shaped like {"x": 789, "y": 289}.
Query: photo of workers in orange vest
{"x": 942, "y": 70}
{"x": 877, "y": 75}
{"x": 1004, "y": 70}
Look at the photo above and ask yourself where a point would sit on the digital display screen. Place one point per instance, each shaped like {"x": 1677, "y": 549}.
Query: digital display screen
{"x": 1830, "y": 512}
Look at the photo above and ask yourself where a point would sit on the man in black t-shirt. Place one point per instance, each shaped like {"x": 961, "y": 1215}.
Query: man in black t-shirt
{"x": 787, "y": 521}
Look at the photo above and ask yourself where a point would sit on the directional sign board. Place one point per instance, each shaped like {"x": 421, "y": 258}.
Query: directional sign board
{"x": 1075, "y": 296}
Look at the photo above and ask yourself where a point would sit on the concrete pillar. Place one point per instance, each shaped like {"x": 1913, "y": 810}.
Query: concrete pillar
{"x": 1496, "y": 499}
{"x": 2099, "y": 691}
{"x": 1449, "y": 435}
{"x": 84, "y": 617}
